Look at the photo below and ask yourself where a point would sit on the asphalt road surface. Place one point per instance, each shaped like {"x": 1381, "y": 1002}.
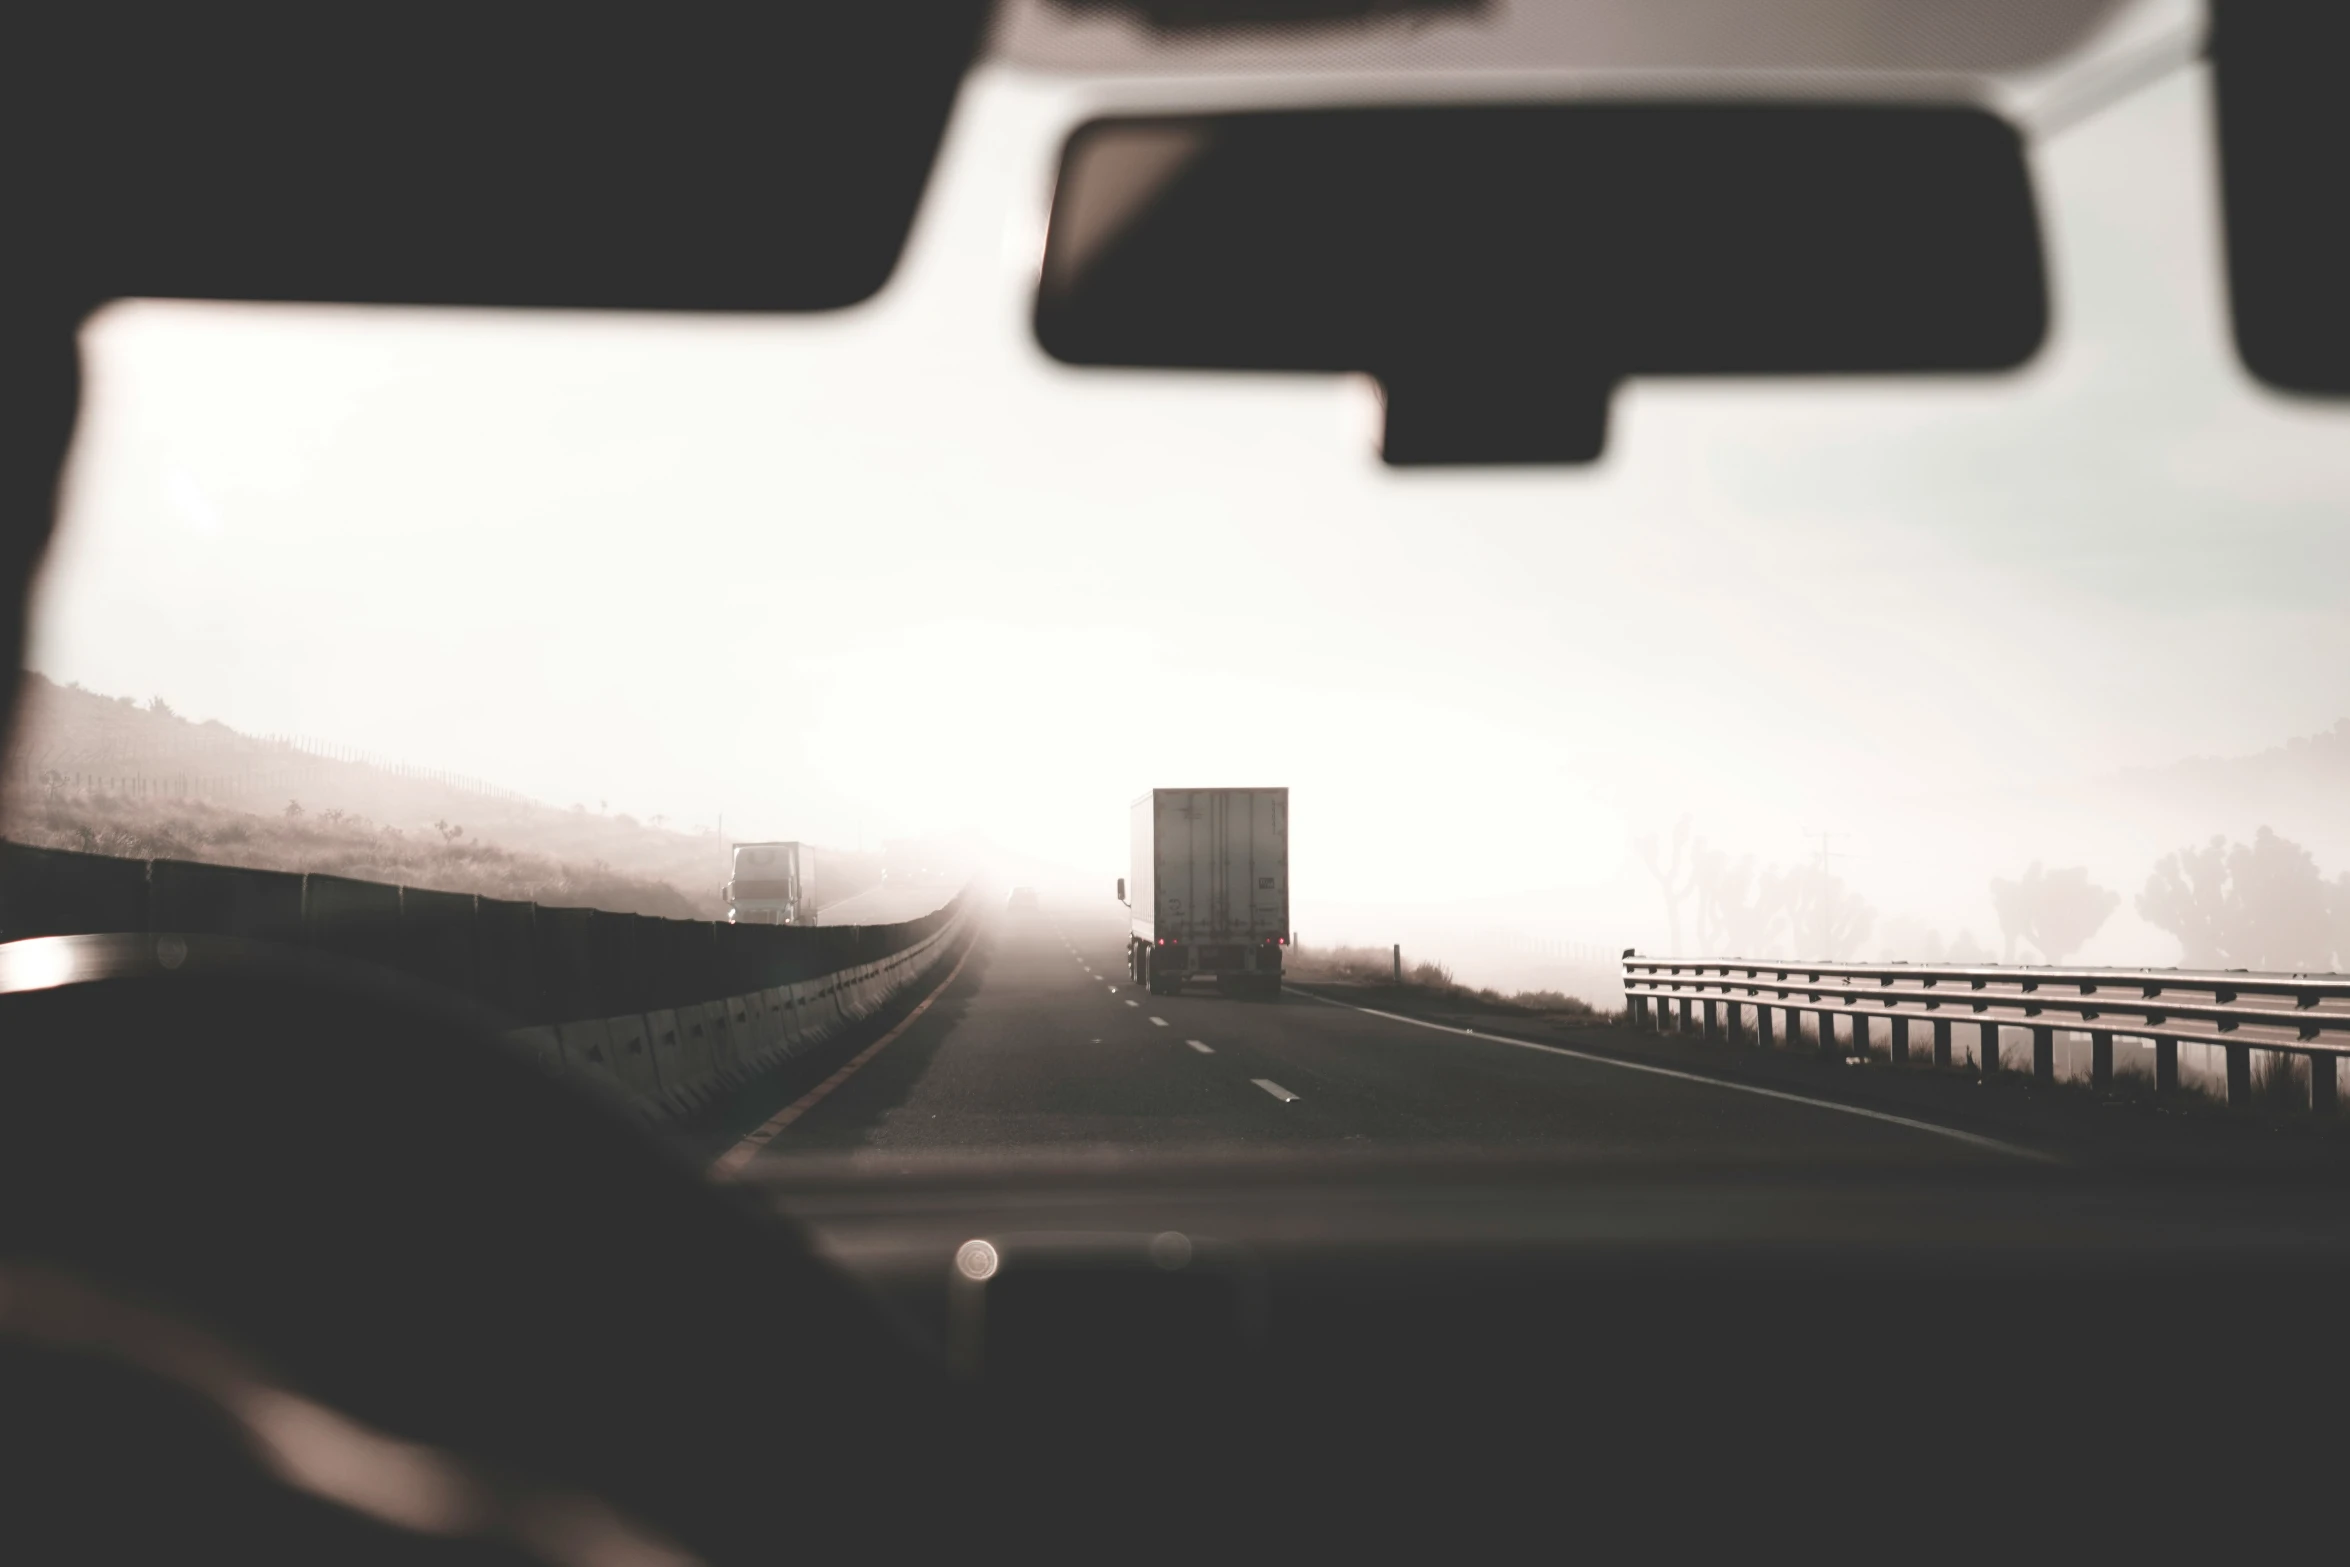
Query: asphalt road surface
{"x": 1040, "y": 1042}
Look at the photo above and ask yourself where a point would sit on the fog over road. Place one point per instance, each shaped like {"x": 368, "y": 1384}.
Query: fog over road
{"x": 1040, "y": 1042}
{"x": 884, "y": 905}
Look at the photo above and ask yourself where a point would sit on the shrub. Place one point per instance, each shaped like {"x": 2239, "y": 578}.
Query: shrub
{"x": 1433, "y": 979}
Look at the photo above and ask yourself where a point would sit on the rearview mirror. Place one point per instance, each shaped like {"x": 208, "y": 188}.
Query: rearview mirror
{"x": 1121, "y": 889}
{"x": 1498, "y": 269}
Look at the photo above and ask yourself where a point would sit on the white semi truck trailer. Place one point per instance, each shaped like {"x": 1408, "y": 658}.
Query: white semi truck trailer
{"x": 773, "y": 884}
{"x": 1208, "y": 892}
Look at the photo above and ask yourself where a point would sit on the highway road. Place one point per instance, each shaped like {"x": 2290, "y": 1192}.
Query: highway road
{"x": 1041, "y": 1043}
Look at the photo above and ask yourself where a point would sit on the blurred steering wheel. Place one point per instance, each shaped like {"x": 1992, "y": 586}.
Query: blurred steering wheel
{"x": 248, "y": 1179}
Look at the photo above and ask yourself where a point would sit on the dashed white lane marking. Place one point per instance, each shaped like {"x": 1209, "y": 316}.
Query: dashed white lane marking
{"x": 1273, "y": 1088}
{"x": 1159, "y": 1022}
{"x": 1202, "y": 1049}
{"x": 1975, "y": 1139}
{"x": 1133, "y": 1003}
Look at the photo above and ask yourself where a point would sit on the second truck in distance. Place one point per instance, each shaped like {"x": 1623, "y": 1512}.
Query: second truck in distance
{"x": 773, "y": 884}
{"x": 1208, "y": 891}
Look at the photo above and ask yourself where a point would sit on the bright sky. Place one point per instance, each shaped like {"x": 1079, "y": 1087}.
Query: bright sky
{"x": 893, "y": 570}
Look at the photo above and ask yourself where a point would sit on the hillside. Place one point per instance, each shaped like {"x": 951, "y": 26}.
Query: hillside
{"x": 2311, "y": 772}
{"x": 333, "y": 843}
{"x": 90, "y": 771}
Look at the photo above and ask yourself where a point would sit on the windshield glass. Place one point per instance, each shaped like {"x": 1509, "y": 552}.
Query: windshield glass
{"x": 561, "y": 608}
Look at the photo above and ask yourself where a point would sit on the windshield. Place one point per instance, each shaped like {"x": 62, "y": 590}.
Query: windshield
{"x": 2032, "y": 668}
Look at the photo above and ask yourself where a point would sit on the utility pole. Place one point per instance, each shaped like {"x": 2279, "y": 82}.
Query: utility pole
{"x": 1820, "y": 912}
{"x": 1826, "y": 853}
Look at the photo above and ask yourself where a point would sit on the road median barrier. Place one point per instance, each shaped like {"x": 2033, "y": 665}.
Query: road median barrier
{"x": 633, "y": 1061}
{"x": 667, "y": 1013}
{"x": 226, "y": 900}
{"x": 543, "y": 1043}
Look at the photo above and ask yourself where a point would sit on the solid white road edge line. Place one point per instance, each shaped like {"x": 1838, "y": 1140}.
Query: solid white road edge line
{"x": 1974, "y": 1138}
{"x": 1273, "y": 1088}
{"x": 731, "y": 1162}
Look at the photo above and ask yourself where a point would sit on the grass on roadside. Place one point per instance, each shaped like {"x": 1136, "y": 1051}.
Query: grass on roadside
{"x": 2279, "y": 1081}
{"x": 330, "y": 842}
{"x": 2132, "y": 1083}
{"x": 1427, "y": 981}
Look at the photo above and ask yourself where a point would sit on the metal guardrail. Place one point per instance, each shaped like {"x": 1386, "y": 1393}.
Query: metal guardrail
{"x": 2293, "y": 1014}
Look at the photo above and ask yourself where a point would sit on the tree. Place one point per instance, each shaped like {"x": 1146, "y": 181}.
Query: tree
{"x": 160, "y": 708}
{"x": 1738, "y": 911}
{"x": 2260, "y": 905}
{"x": 2279, "y": 900}
{"x": 1826, "y": 917}
{"x": 2187, "y": 896}
{"x": 2056, "y": 912}
{"x": 1675, "y": 877}
{"x": 1743, "y": 911}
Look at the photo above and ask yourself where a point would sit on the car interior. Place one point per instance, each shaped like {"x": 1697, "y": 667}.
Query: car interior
{"x": 303, "y": 1260}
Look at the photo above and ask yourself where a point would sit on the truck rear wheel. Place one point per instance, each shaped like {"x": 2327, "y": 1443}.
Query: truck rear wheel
{"x": 1160, "y": 981}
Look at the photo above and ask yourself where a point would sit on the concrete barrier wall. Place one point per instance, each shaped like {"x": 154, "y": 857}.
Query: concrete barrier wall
{"x": 532, "y": 963}
{"x": 667, "y": 1013}
{"x": 671, "y": 1061}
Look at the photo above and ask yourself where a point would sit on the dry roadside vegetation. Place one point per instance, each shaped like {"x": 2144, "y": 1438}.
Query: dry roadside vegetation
{"x": 336, "y": 843}
{"x": 110, "y": 775}
{"x": 1433, "y": 982}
